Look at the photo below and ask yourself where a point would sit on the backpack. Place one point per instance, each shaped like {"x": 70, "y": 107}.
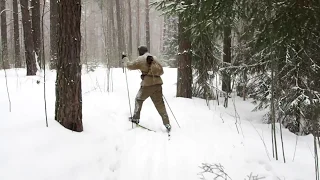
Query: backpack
{"x": 154, "y": 68}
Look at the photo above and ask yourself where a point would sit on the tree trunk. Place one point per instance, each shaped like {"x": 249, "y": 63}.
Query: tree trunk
{"x": 165, "y": 30}
{"x": 53, "y": 33}
{"x": 4, "y": 41}
{"x": 184, "y": 81}
{"x": 115, "y": 51}
{"x": 138, "y": 23}
{"x": 36, "y": 29}
{"x": 226, "y": 80}
{"x": 85, "y": 45}
{"x": 148, "y": 25}
{"x": 68, "y": 82}
{"x": 17, "y": 55}
{"x": 130, "y": 29}
{"x": 161, "y": 35}
{"x": 273, "y": 112}
{"x": 28, "y": 39}
{"x": 106, "y": 30}
{"x": 121, "y": 44}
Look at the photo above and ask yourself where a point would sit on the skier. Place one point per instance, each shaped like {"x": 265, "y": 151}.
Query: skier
{"x": 151, "y": 84}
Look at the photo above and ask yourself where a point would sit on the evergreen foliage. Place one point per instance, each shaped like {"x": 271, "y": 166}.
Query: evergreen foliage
{"x": 278, "y": 36}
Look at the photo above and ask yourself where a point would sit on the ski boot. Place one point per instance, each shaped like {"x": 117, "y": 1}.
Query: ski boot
{"x": 168, "y": 126}
{"x": 136, "y": 121}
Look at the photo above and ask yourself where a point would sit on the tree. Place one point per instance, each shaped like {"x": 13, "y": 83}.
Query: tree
{"x": 85, "y": 36}
{"x": 184, "y": 81}
{"x": 130, "y": 28}
{"x": 184, "y": 58}
{"x": 54, "y": 25}
{"x": 114, "y": 53}
{"x": 121, "y": 42}
{"x": 226, "y": 80}
{"x": 28, "y": 39}
{"x": 285, "y": 45}
{"x": 147, "y": 25}
{"x": 17, "y": 56}
{"x": 68, "y": 110}
{"x": 4, "y": 43}
{"x": 138, "y": 23}
{"x": 36, "y": 29}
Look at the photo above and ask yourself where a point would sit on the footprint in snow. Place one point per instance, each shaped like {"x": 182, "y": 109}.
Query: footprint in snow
{"x": 266, "y": 165}
{"x": 114, "y": 166}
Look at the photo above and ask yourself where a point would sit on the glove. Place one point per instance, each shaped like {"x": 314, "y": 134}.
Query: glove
{"x": 125, "y": 60}
{"x": 149, "y": 59}
{"x": 123, "y": 56}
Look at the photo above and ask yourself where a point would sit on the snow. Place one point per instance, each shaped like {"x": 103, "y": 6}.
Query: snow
{"x": 109, "y": 149}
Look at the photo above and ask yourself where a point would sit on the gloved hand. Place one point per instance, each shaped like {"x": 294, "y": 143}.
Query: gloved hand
{"x": 124, "y": 60}
{"x": 149, "y": 60}
{"x": 123, "y": 56}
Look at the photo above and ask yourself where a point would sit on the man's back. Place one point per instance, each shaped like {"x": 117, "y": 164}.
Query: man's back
{"x": 151, "y": 73}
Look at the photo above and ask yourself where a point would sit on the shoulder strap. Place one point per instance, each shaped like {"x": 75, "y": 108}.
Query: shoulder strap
{"x": 149, "y": 62}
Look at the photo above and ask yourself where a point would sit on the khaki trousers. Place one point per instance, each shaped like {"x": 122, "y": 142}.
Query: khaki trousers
{"x": 155, "y": 93}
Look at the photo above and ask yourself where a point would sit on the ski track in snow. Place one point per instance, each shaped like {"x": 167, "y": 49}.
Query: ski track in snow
{"x": 150, "y": 155}
{"x": 109, "y": 149}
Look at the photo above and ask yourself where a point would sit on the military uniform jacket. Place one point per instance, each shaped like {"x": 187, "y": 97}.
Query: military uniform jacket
{"x": 152, "y": 73}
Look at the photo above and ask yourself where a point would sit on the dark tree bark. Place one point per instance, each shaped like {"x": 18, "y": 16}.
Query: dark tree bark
{"x": 36, "y": 27}
{"x": 148, "y": 25}
{"x": 17, "y": 55}
{"x": 226, "y": 80}
{"x": 54, "y": 25}
{"x": 68, "y": 82}
{"x": 121, "y": 43}
{"x": 28, "y": 39}
{"x": 4, "y": 41}
{"x": 130, "y": 29}
{"x": 184, "y": 81}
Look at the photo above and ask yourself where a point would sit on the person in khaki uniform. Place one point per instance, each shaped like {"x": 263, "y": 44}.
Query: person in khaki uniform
{"x": 151, "y": 84}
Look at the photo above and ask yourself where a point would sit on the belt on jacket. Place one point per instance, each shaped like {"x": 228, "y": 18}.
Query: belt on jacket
{"x": 151, "y": 75}
{"x": 143, "y": 75}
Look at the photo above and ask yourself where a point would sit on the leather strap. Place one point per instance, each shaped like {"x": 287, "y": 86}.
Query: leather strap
{"x": 151, "y": 75}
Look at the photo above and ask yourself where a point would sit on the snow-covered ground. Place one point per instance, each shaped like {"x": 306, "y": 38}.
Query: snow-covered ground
{"x": 109, "y": 149}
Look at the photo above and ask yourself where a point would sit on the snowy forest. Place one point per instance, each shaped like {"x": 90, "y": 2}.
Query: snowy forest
{"x": 238, "y": 89}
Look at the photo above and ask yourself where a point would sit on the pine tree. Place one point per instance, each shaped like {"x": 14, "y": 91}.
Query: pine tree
{"x": 68, "y": 110}
{"x": 184, "y": 78}
{"x": 270, "y": 37}
{"x": 138, "y": 23}
{"x": 36, "y": 29}
{"x": 120, "y": 29}
{"x": 147, "y": 23}
{"x": 4, "y": 41}
{"x": 28, "y": 39}
{"x": 130, "y": 28}
{"x": 17, "y": 57}
{"x": 286, "y": 36}
{"x": 54, "y": 26}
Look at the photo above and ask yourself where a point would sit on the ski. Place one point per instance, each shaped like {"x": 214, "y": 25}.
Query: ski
{"x": 143, "y": 127}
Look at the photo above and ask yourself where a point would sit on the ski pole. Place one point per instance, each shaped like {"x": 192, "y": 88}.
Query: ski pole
{"x": 171, "y": 110}
{"x": 125, "y": 71}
